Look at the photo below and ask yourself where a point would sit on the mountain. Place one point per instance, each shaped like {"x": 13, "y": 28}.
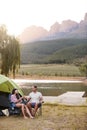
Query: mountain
{"x": 63, "y": 43}
{"x": 67, "y": 29}
{"x": 32, "y": 33}
{"x": 63, "y": 30}
{"x": 54, "y": 51}
{"x": 69, "y": 54}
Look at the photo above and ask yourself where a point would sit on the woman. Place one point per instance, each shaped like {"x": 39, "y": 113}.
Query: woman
{"x": 17, "y": 100}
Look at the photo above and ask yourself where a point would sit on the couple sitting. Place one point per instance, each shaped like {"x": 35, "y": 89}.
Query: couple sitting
{"x": 34, "y": 100}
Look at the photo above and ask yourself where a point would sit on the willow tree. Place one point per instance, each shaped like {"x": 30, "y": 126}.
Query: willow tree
{"x": 10, "y": 53}
{"x": 3, "y": 44}
{"x": 13, "y": 55}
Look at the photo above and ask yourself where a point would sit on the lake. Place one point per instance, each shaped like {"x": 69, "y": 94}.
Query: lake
{"x": 51, "y": 88}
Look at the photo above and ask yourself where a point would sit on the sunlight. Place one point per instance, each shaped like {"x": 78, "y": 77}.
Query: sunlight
{"x": 19, "y": 14}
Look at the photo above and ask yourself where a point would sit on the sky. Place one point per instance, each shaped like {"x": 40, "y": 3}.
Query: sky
{"x": 20, "y": 14}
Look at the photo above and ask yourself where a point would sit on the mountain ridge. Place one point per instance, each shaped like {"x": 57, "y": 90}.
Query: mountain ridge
{"x": 67, "y": 29}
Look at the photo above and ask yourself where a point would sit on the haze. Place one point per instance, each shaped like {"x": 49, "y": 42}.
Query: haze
{"x": 19, "y": 14}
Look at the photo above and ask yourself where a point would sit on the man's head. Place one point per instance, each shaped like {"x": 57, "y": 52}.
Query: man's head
{"x": 34, "y": 88}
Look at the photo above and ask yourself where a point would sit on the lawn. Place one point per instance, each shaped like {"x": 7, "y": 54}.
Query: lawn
{"x": 55, "y": 117}
{"x": 49, "y": 70}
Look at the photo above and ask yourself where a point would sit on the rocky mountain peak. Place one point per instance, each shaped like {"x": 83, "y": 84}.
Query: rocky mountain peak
{"x": 85, "y": 18}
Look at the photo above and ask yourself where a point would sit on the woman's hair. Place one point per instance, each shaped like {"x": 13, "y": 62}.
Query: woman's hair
{"x": 13, "y": 91}
{"x": 17, "y": 95}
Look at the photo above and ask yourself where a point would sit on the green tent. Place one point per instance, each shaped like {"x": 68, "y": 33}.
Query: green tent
{"x": 6, "y": 85}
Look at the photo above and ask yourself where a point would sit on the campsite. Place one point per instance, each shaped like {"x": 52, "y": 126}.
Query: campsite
{"x": 43, "y": 64}
{"x": 54, "y": 116}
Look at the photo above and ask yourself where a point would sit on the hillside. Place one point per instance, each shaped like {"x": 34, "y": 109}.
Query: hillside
{"x": 53, "y": 51}
{"x": 69, "y": 54}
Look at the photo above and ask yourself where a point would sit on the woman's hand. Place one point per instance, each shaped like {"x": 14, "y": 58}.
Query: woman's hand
{"x": 20, "y": 99}
{"x": 25, "y": 97}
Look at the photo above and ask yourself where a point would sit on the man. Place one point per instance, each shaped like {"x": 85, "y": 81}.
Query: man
{"x": 36, "y": 99}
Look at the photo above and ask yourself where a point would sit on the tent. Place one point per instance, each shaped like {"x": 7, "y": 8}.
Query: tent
{"x": 6, "y": 86}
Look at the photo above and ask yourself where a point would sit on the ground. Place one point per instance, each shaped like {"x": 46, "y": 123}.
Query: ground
{"x": 49, "y": 77}
{"x": 54, "y": 117}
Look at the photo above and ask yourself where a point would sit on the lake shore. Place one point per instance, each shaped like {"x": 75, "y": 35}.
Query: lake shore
{"x": 49, "y": 77}
{"x": 83, "y": 79}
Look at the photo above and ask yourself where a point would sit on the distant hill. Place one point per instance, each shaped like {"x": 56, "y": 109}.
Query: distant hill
{"x": 67, "y": 29}
{"x": 54, "y": 51}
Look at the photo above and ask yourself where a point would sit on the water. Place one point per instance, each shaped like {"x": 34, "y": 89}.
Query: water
{"x": 53, "y": 89}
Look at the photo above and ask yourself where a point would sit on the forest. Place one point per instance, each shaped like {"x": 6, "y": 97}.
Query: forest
{"x": 54, "y": 51}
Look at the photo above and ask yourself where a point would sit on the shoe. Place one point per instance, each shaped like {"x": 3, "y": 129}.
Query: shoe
{"x": 6, "y": 112}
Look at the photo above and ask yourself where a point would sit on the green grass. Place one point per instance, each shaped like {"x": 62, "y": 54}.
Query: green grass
{"x": 54, "y": 117}
{"x": 49, "y": 70}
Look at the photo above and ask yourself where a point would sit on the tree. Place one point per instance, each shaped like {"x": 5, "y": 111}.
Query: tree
{"x": 3, "y": 44}
{"x": 3, "y": 36}
{"x": 10, "y": 52}
{"x": 83, "y": 69}
{"x": 14, "y": 55}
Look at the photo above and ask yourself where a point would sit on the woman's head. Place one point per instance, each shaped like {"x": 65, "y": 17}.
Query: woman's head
{"x": 14, "y": 91}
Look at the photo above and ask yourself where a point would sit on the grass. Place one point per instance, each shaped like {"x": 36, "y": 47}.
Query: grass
{"x": 55, "y": 117}
{"x": 49, "y": 70}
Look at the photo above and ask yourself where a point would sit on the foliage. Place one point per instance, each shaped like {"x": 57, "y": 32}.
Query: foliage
{"x": 67, "y": 55}
{"x": 54, "y": 51}
{"x": 83, "y": 69}
{"x": 42, "y": 70}
{"x": 10, "y": 52}
{"x": 3, "y": 37}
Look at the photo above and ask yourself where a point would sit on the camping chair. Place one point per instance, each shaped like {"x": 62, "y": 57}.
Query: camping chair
{"x": 39, "y": 111}
{"x": 12, "y": 109}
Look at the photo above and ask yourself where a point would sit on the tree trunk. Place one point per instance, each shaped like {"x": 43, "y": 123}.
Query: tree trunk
{"x": 14, "y": 72}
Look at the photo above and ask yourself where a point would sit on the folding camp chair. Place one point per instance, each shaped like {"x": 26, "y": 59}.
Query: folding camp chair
{"x": 12, "y": 109}
{"x": 40, "y": 108}
{"x": 39, "y": 111}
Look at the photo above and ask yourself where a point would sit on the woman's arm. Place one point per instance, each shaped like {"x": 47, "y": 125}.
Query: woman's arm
{"x": 15, "y": 100}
